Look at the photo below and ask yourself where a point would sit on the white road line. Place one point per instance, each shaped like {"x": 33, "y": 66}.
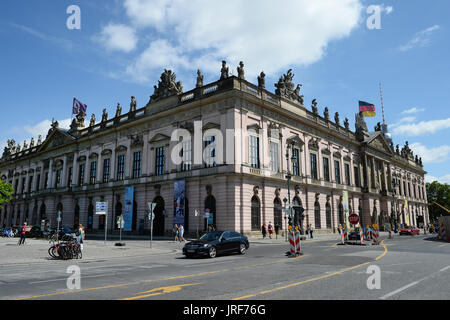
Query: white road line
{"x": 412, "y": 284}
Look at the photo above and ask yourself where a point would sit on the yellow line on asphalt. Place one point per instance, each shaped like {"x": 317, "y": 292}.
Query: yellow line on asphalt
{"x": 313, "y": 279}
{"x": 162, "y": 290}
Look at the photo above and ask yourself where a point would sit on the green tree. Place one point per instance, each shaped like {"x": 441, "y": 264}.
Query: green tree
{"x": 439, "y": 193}
{"x": 6, "y": 191}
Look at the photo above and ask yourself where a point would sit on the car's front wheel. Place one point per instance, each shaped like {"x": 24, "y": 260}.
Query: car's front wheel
{"x": 242, "y": 249}
{"x": 212, "y": 252}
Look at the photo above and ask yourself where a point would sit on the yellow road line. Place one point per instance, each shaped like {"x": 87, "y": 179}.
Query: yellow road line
{"x": 313, "y": 279}
{"x": 163, "y": 290}
{"x": 146, "y": 281}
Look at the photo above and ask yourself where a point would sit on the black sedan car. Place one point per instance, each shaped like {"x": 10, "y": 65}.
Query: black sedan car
{"x": 217, "y": 242}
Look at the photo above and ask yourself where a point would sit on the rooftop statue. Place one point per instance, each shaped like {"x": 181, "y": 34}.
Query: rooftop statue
{"x": 285, "y": 88}
{"x": 346, "y": 124}
{"x": 39, "y": 140}
{"x": 262, "y": 80}
{"x": 32, "y": 143}
{"x": 105, "y": 115}
{"x": 92, "y": 122}
{"x": 240, "y": 71}
{"x": 199, "y": 79}
{"x": 326, "y": 114}
{"x": 25, "y": 145}
{"x": 314, "y": 108}
{"x": 360, "y": 123}
{"x": 224, "y": 71}
{"x": 336, "y": 118}
{"x": 167, "y": 86}
{"x": 118, "y": 110}
{"x": 133, "y": 104}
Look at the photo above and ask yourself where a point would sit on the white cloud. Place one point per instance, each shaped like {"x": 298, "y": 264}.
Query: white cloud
{"x": 422, "y": 128}
{"x": 402, "y": 121}
{"x": 66, "y": 44}
{"x": 412, "y": 111}
{"x": 420, "y": 39}
{"x": 267, "y": 35}
{"x": 443, "y": 179}
{"x": 431, "y": 155}
{"x": 117, "y": 37}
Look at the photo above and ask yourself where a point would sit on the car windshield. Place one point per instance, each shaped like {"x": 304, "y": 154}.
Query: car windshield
{"x": 211, "y": 236}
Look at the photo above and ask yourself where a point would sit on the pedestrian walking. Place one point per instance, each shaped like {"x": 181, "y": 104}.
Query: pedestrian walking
{"x": 277, "y": 229}
{"x": 181, "y": 231}
{"x": 311, "y": 230}
{"x": 270, "y": 229}
{"x": 340, "y": 228}
{"x": 176, "y": 231}
{"x": 308, "y": 231}
{"x": 22, "y": 231}
{"x": 80, "y": 235}
{"x": 264, "y": 231}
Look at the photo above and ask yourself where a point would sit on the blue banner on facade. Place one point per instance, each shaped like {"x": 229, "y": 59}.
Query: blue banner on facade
{"x": 128, "y": 213}
{"x": 179, "y": 191}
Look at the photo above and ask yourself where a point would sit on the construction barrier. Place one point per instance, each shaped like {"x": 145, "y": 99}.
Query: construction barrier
{"x": 375, "y": 235}
{"x": 345, "y": 234}
{"x": 294, "y": 243}
{"x": 342, "y": 237}
{"x": 361, "y": 236}
{"x": 367, "y": 233}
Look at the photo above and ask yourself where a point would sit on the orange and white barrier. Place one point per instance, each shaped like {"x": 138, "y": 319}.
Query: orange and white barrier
{"x": 294, "y": 243}
{"x": 361, "y": 235}
{"x": 375, "y": 236}
{"x": 367, "y": 233}
{"x": 342, "y": 236}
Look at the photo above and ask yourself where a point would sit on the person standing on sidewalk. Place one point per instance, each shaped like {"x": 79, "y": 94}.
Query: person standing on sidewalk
{"x": 311, "y": 230}
{"x": 23, "y": 231}
{"x": 181, "y": 232}
{"x": 176, "y": 231}
{"x": 277, "y": 229}
{"x": 264, "y": 231}
{"x": 270, "y": 229}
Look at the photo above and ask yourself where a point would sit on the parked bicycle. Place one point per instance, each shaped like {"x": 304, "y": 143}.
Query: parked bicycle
{"x": 67, "y": 248}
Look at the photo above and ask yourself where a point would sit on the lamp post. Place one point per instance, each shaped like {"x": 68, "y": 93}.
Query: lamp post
{"x": 394, "y": 215}
{"x": 285, "y": 218}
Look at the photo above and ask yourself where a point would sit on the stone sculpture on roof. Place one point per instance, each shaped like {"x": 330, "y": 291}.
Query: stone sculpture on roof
{"x": 240, "y": 71}
{"x": 199, "y": 79}
{"x": 224, "y": 71}
{"x": 167, "y": 86}
{"x": 285, "y": 88}
{"x": 262, "y": 80}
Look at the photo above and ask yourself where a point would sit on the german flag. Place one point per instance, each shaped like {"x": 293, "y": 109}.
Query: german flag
{"x": 367, "y": 109}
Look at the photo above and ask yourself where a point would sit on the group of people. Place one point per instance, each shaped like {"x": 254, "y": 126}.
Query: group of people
{"x": 270, "y": 230}
{"x": 179, "y": 232}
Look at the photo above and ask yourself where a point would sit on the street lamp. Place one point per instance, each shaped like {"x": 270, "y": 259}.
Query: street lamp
{"x": 285, "y": 217}
{"x": 394, "y": 215}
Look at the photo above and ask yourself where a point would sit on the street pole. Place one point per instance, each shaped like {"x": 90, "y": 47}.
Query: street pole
{"x": 106, "y": 221}
{"x": 151, "y": 230}
{"x": 120, "y": 227}
{"x": 285, "y": 219}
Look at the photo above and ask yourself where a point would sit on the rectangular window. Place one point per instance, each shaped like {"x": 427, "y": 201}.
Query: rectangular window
{"x": 58, "y": 179}
{"x": 273, "y": 157}
{"x": 186, "y": 154}
{"x": 356, "y": 171}
{"x": 120, "y": 167}
{"x": 23, "y": 184}
{"x": 30, "y": 183}
{"x": 81, "y": 175}
{"x": 409, "y": 190}
{"x": 254, "y": 151}
{"x": 404, "y": 189}
{"x": 46, "y": 186}
{"x": 38, "y": 182}
{"x": 210, "y": 147}
{"x": 313, "y": 166}
{"x": 137, "y": 165}
{"x": 347, "y": 173}
{"x": 106, "y": 170}
{"x": 93, "y": 173}
{"x": 326, "y": 169}
{"x": 70, "y": 177}
{"x": 296, "y": 162}
{"x": 160, "y": 161}
{"x": 337, "y": 171}
{"x": 16, "y": 185}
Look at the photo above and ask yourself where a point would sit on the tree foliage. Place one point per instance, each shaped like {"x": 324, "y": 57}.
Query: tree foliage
{"x": 6, "y": 191}
{"x": 439, "y": 193}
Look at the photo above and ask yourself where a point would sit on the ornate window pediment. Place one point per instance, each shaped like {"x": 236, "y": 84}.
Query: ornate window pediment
{"x": 137, "y": 141}
{"x": 337, "y": 154}
{"x": 313, "y": 144}
{"x": 326, "y": 151}
{"x": 347, "y": 158}
{"x": 211, "y": 125}
{"x": 121, "y": 148}
{"x": 81, "y": 158}
{"x": 106, "y": 152}
{"x": 159, "y": 137}
{"x": 298, "y": 142}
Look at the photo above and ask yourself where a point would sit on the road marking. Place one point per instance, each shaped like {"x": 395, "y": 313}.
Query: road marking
{"x": 312, "y": 279}
{"x": 412, "y": 284}
{"x": 164, "y": 290}
{"x": 83, "y": 277}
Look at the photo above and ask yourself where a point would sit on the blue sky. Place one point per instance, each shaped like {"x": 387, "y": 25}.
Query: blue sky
{"x": 123, "y": 45}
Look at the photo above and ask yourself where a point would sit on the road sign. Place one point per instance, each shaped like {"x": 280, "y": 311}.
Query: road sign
{"x": 101, "y": 207}
{"x": 120, "y": 222}
{"x": 151, "y": 216}
{"x": 353, "y": 218}
{"x": 151, "y": 206}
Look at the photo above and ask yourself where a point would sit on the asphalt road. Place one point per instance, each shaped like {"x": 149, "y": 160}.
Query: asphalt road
{"x": 410, "y": 268}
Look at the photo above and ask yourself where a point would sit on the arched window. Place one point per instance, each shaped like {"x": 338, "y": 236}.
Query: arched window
{"x": 328, "y": 215}
{"x": 341, "y": 214}
{"x": 375, "y": 215}
{"x": 210, "y": 205}
{"x": 256, "y": 213}
{"x": 90, "y": 222}
{"x": 76, "y": 216}
{"x": 277, "y": 213}
{"x": 297, "y": 203}
{"x": 317, "y": 221}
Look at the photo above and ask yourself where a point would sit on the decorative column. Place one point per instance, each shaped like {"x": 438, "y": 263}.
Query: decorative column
{"x": 75, "y": 169}
{"x": 50, "y": 176}
{"x": 64, "y": 172}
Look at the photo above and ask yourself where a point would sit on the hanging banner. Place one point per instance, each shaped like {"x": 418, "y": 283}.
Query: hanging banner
{"x": 179, "y": 202}
{"x": 128, "y": 213}
{"x": 407, "y": 213}
{"x": 346, "y": 210}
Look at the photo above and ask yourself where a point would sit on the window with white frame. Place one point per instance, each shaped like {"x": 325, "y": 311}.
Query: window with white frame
{"x": 254, "y": 151}
{"x": 186, "y": 154}
{"x": 210, "y": 151}
{"x": 274, "y": 162}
